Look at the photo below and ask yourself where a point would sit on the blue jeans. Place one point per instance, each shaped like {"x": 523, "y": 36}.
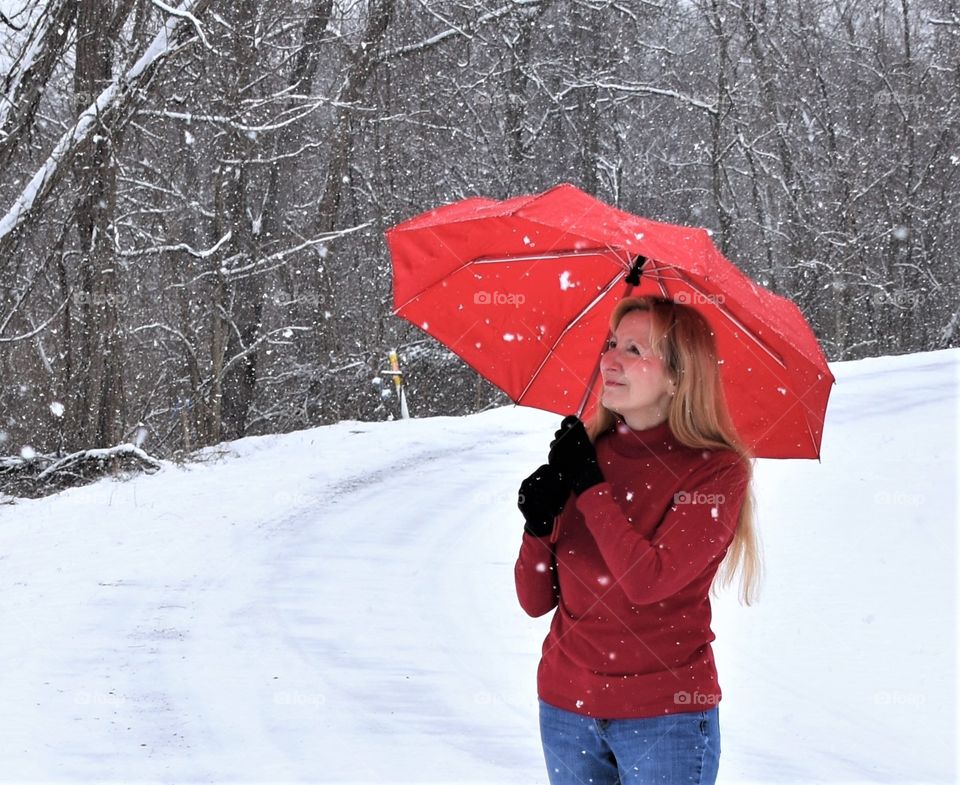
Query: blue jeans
{"x": 672, "y": 749}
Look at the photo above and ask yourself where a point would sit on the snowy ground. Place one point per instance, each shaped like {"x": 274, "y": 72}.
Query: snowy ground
{"x": 336, "y": 605}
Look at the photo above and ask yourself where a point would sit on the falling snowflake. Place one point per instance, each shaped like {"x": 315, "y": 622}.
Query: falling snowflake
{"x": 565, "y": 282}
{"x": 57, "y": 409}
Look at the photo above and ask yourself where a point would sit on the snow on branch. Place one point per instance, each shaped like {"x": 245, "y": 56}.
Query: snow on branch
{"x": 649, "y": 90}
{"x": 102, "y": 454}
{"x": 23, "y": 62}
{"x": 438, "y": 38}
{"x": 303, "y": 110}
{"x": 159, "y": 249}
{"x": 40, "y": 475}
{"x": 257, "y": 264}
{"x": 110, "y": 102}
{"x": 36, "y": 330}
{"x": 184, "y": 13}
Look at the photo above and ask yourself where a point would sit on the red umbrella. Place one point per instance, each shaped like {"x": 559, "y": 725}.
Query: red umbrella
{"x": 522, "y": 290}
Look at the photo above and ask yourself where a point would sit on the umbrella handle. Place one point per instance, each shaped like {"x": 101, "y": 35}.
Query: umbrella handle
{"x": 632, "y": 280}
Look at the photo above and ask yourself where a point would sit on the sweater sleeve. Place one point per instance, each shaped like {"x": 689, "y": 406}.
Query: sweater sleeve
{"x": 696, "y": 529}
{"x": 535, "y": 575}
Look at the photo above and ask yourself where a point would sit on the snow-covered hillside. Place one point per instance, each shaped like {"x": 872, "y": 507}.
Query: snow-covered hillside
{"x": 337, "y": 605}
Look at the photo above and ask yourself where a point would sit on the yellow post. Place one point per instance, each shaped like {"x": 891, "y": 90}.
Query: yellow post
{"x": 398, "y": 383}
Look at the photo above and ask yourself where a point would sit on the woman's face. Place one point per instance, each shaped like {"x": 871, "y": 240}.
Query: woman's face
{"x": 636, "y": 383}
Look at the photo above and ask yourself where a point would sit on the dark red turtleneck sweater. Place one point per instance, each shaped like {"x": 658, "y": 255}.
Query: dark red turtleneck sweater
{"x": 630, "y": 574}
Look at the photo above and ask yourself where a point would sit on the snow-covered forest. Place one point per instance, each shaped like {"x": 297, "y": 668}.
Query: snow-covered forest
{"x": 193, "y": 193}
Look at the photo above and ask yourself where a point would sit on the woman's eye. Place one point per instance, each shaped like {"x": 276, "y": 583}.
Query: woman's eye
{"x": 612, "y": 344}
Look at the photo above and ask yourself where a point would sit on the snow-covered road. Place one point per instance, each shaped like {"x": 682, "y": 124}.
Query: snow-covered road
{"x": 336, "y": 605}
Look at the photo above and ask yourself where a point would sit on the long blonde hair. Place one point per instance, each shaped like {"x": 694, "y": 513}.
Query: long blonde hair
{"x": 698, "y": 418}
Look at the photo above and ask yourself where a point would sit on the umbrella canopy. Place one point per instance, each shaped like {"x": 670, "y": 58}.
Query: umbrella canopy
{"x": 523, "y": 290}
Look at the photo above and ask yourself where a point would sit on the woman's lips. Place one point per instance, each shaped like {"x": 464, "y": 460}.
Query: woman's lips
{"x": 609, "y": 383}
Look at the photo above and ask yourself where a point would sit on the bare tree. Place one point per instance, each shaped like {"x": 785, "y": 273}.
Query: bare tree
{"x": 194, "y": 253}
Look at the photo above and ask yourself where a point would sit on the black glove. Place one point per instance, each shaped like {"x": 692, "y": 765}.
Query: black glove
{"x": 573, "y": 455}
{"x": 541, "y": 499}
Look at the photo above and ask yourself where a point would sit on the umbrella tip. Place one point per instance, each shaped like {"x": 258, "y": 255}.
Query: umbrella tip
{"x": 633, "y": 277}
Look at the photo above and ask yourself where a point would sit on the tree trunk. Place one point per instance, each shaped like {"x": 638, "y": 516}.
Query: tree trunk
{"x": 97, "y": 406}
{"x": 240, "y": 307}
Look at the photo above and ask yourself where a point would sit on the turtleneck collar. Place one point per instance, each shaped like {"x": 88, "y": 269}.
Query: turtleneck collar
{"x": 626, "y": 441}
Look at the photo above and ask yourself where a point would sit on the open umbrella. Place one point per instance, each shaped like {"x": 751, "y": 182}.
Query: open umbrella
{"x": 523, "y": 289}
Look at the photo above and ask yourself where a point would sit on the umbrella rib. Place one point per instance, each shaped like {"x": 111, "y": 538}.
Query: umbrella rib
{"x": 813, "y": 439}
{"x": 726, "y": 312}
{"x": 570, "y": 325}
{"x": 685, "y": 279}
{"x": 655, "y": 267}
{"x": 775, "y": 357}
{"x": 799, "y": 399}
{"x": 520, "y": 258}
{"x": 660, "y": 278}
{"x": 548, "y": 256}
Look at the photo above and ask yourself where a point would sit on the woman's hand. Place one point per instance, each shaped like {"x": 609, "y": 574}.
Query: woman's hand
{"x": 573, "y": 455}
{"x": 541, "y": 499}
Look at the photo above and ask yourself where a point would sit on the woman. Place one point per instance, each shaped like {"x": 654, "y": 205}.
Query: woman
{"x": 625, "y": 529}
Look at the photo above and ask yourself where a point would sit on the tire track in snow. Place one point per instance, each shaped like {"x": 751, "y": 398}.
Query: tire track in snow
{"x": 364, "y": 590}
